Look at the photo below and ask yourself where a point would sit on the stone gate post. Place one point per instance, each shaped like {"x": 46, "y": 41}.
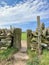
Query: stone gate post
{"x": 17, "y": 38}
{"x": 28, "y": 38}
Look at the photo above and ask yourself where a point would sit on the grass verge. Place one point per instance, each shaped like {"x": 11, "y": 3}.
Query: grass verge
{"x": 44, "y": 58}
{"x": 5, "y": 54}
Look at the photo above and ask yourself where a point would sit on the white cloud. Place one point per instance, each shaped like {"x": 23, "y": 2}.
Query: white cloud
{"x": 24, "y": 12}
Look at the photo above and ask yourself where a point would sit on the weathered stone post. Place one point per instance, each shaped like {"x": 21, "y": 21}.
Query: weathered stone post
{"x": 17, "y": 38}
{"x": 39, "y": 35}
{"x": 28, "y": 38}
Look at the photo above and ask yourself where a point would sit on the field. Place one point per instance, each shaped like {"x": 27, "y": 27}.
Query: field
{"x": 24, "y": 36}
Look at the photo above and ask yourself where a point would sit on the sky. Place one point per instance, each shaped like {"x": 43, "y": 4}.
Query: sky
{"x": 23, "y": 13}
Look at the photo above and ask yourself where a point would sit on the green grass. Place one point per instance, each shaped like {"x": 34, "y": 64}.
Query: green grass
{"x": 33, "y": 58}
{"x": 44, "y": 58}
{"x": 24, "y": 36}
{"x": 4, "y": 54}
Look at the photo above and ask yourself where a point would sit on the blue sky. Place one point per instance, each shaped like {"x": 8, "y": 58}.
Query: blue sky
{"x": 23, "y": 13}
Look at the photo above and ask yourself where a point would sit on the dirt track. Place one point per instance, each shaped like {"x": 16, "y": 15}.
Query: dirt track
{"x": 20, "y": 57}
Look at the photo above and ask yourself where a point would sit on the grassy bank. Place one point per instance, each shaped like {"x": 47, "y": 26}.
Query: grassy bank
{"x": 44, "y": 58}
{"x": 5, "y": 54}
